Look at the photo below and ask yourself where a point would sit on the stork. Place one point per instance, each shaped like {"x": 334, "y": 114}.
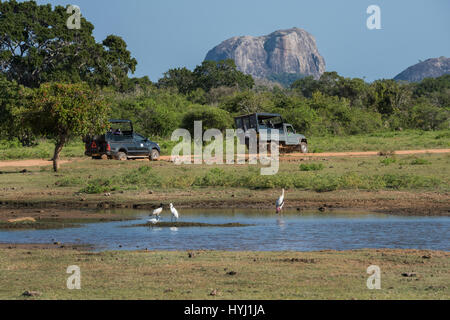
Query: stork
{"x": 280, "y": 203}
{"x": 154, "y": 221}
{"x": 157, "y": 212}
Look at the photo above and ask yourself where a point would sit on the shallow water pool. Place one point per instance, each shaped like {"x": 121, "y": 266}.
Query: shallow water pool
{"x": 292, "y": 231}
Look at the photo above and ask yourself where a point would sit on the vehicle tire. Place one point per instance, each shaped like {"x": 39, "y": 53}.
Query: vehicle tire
{"x": 304, "y": 147}
{"x": 154, "y": 155}
{"x": 121, "y": 156}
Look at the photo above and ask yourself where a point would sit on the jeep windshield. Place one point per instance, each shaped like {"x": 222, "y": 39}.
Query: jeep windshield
{"x": 270, "y": 122}
{"x": 120, "y": 128}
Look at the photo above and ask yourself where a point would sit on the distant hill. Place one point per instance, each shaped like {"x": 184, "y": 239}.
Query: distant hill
{"x": 431, "y": 68}
{"x": 281, "y": 56}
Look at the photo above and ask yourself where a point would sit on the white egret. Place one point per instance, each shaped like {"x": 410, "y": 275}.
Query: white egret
{"x": 174, "y": 212}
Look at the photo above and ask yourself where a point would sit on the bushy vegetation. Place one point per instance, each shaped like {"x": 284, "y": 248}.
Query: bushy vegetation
{"x": 311, "y": 167}
{"x": 215, "y": 91}
{"x": 314, "y": 176}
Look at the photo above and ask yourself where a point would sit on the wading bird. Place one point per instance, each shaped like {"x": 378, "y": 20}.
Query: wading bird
{"x": 154, "y": 221}
{"x": 280, "y": 203}
{"x": 157, "y": 212}
{"x": 174, "y": 212}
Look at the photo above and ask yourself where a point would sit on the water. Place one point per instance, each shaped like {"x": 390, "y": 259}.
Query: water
{"x": 292, "y": 231}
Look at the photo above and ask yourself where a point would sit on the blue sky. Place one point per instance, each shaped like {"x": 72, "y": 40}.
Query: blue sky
{"x": 163, "y": 34}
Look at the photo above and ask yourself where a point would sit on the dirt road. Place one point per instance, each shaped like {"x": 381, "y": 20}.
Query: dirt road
{"x": 29, "y": 163}
{"x": 289, "y": 156}
{"x": 294, "y": 156}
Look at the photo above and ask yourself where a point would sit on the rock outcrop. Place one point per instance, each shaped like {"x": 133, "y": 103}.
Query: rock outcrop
{"x": 291, "y": 51}
{"x": 431, "y": 68}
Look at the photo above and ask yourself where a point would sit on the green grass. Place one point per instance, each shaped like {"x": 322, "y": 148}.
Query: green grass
{"x": 383, "y": 141}
{"x": 251, "y": 179}
{"x": 234, "y": 275}
{"x": 311, "y": 167}
{"x": 321, "y": 175}
{"x": 420, "y": 161}
{"x": 12, "y": 150}
{"x": 388, "y": 160}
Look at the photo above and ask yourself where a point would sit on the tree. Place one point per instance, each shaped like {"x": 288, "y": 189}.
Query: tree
{"x": 12, "y": 98}
{"x": 37, "y": 47}
{"x": 437, "y": 90}
{"x": 207, "y": 76}
{"x": 389, "y": 96}
{"x": 114, "y": 64}
{"x": 426, "y": 116}
{"x": 246, "y": 102}
{"x": 306, "y": 86}
{"x": 211, "y": 117}
{"x": 224, "y": 73}
{"x": 62, "y": 111}
{"x": 180, "y": 78}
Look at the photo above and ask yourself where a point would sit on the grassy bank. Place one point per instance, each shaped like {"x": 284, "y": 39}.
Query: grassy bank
{"x": 426, "y": 172}
{"x": 383, "y": 141}
{"x": 381, "y": 182}
{"x": 234, "y": 275}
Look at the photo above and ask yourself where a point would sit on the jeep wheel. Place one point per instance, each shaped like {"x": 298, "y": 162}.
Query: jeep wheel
{"x": 154, "y": 155}
{"x": 304, "y": 147}
{"x": 121, "y": 156}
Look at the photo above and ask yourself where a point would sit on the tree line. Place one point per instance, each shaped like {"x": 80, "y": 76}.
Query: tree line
{"x": 61, "y": 84}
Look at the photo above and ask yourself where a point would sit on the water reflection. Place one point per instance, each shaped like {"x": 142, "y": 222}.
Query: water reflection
{"x": 281, "y": 224}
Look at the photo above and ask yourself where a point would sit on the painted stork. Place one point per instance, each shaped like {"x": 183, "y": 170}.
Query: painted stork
{"x": 280, "y": 203}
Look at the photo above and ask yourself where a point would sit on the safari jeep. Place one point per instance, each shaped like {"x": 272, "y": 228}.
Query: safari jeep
{"x": 289, "y": 139}
{"x": 121, "y": 143}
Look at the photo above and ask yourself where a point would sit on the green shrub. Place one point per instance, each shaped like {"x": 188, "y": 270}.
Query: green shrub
{"x": 212, "y": 118}
{"x": 99, "y": 186}
{"x": 311, "y": 167}
{"x": 213, "y": 178}
{"x": 142, "y": 176}
{"x": 419, "y": 161}
{"x": 387, "y": 161}
{"x": 69, "y": 182}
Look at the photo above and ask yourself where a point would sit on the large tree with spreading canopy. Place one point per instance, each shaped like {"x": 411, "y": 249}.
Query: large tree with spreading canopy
{"x": 36, "y": 46}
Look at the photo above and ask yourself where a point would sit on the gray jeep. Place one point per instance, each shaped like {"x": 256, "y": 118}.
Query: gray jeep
{"x": 289, "y": 139}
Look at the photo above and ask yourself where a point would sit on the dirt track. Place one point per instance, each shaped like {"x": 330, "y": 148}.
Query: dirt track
{"x": 294, "y": 156}
{"x": 289, "y": 156}
{"x": 29, "y": 163}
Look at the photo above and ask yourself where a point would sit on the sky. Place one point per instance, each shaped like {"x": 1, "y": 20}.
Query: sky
{"x": 164, "y": 34}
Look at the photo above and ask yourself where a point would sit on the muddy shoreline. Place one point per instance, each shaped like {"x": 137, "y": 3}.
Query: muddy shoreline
{"x": 436, "y": 205}
{"x": 47, "y": 246}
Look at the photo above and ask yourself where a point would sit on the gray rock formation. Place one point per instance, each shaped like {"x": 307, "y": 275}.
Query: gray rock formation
{"x": 291, "y": 51}
{"x": 431, "y": 68}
